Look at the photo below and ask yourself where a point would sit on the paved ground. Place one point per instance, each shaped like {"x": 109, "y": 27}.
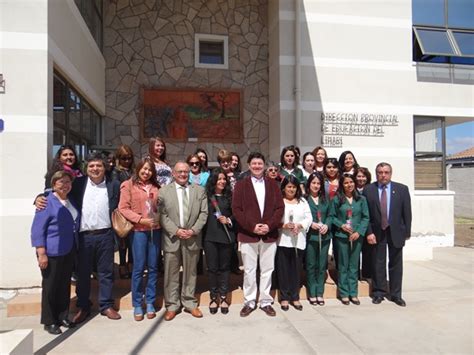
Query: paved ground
{"x": 464, "y": 234}
{"x": 438, "y": 319}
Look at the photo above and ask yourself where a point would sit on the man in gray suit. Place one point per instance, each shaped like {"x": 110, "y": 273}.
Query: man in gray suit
{"x": 183, "y": 213}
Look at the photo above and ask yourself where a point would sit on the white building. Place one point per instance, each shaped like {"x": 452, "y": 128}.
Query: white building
{"x": 352, "y": 75}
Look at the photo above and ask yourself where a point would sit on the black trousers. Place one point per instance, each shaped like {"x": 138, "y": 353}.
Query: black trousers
{"x": 56, "y": 292}
{"x": 395, "y": 267}
{"x": 288, "y": 264}
{"x": 367, "y": 260}
{"x": 218, "y": 256}
{"x": 124, "y": 246}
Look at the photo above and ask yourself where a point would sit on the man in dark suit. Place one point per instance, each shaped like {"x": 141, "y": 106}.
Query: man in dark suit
{"x": 390, "y": 224}
{"x": 258, "y": 207}
{"x": 96, "y": 198}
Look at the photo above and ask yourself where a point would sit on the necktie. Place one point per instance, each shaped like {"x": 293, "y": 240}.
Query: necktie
{"x": 383, "y": 207}
{"x": 185, "y": 204}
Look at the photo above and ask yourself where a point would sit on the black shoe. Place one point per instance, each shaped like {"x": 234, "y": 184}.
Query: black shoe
{"x": 224, "y": 305}
{"x": 214, "y": 309}
{"x": 285, "y": 307}
{"x": 345, "y": 301}
{"x": 399, "y": 301}
{"x": 354, "y": 300}
{"x": 313, "y": 302}
{"x": 298, "y": 307}
{"x": 67, "y": 323}
{"x": 377, "y": 300}
{"x": 53, "y": 329}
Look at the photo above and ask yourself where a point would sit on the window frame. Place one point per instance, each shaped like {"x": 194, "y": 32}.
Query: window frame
{"x": 202, "y": 37}
{"x": 417, "y": 156}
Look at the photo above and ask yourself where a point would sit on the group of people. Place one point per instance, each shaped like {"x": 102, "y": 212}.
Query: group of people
{"x": 280, "y": 216}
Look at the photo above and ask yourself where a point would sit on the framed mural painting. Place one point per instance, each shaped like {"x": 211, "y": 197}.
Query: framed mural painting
{"x": 192, "y": 115}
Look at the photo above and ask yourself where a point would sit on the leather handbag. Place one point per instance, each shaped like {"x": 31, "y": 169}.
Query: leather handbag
{"x": 120, "y": 224}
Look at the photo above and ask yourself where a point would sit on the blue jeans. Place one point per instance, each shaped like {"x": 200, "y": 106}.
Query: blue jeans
{"x": 145, "y": 249}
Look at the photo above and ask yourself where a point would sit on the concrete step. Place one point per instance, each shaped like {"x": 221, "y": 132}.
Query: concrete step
{"x": 30, "y": 304}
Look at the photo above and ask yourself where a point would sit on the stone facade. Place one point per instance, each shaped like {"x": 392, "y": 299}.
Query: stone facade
{"x": 150, "y": 43}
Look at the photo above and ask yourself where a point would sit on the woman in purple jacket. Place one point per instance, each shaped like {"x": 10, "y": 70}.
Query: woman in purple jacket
{"x": 53, "y": 234}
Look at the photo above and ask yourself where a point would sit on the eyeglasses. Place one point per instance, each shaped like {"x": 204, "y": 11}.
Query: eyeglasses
{"x": 272, "y": 170}
{"x": 194, "y": 163}
{"x": 125, "y": 158}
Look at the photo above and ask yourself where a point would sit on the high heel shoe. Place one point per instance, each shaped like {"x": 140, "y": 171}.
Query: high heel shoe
{"x": 284, "y": 307}
{"x": 320, "y": 301}
{"x": 213, "y": 310}
{"x": 354, "y": 300}
{"x": 345, "y": 301}
{"x": 224, "y": 305}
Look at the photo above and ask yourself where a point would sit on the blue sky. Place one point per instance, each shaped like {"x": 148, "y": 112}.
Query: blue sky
{"x": 459, "y": 137}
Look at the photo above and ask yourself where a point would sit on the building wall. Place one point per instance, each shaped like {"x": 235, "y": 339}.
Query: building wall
{"x": 37, "y": 36}
{"x": 356, "y": 60}
{"x": 151, "y": 44}
{"x": 460, "y": 180}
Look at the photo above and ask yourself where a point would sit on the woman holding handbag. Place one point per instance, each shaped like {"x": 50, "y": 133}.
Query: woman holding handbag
{"x": 138, "y": 204}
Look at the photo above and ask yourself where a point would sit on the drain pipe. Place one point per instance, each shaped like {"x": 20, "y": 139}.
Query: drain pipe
{"x": 298, "y": 73}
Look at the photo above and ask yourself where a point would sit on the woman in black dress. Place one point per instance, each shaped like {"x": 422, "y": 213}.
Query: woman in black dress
{"x": 219, "y": 239}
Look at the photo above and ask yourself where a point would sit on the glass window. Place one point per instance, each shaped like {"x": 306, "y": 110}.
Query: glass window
{"x": 460, "y": 14}
{"x": 211, "y": 52}
{"x": 59, "y": 101}
{"x": 428, "y": 12}
{"x": 74, "y": 112}
{"x": 434, "y": 41}
{"x": 429, "y": 153}
{"x": 75, "y": 121}
{"x": 465, "y": 42}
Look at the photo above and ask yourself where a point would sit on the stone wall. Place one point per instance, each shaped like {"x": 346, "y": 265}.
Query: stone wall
{"x": 460, "y": 181}
{"x": 150, "y": 43}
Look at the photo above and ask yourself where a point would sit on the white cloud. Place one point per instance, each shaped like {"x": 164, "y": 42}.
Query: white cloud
{"x": 458, "y": 144}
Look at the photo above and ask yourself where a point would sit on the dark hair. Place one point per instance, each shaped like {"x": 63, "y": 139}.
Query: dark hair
{"x": 315, "y": 152}
{"x": 204, "y": 167}
{"x": 140, "y": 165}
{"x": 383, "y": 164}
{"x": 304, "y": 158}
{"x": 255, "y": 155}
{"x": 290, "y": 179}
{"x": 290, "y": 148}
{"x": 366, "y": 172}
{"x": 342, "y": 158}
{"x": 322, "y": 190}
{"x": 191, "y": 156}
{"x": 334, "y": 162}
{"x": 97, "y": 156}
{"x": 340, "y": 188}
{"x": 58, "y": 165}
{"x": 212, "y": 181}
{"x": 124, "y": 150}
{"x": 151, "y": 148}
{"x": 239, "y": 165}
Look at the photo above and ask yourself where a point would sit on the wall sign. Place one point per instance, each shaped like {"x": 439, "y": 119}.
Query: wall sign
{"x": 337, "y": 125}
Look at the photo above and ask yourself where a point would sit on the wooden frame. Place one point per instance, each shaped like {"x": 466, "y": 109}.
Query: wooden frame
{"x": 192, "y": 115}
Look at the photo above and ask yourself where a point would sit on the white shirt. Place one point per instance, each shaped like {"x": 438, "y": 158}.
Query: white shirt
{"x": 95, "y": 207}
{"x": 72, "y": 210}
{"x": 259, "y": 187}
{"x": 179, "y": 192}
{"x": 301, "y": 215}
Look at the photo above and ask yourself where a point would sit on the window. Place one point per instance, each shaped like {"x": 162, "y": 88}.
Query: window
{"x": 74, "y": 120}
{"x": 430, "y": 149}
{"x": 443, "y": 31}
{"x": 91, "y": 11}
{"x": 211, "y": 51}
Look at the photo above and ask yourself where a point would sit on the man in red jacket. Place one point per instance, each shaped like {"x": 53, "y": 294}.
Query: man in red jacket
{"x": 258, "y": 207}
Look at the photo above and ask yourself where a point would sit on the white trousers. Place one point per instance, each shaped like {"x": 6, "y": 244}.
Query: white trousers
{"x": 251, "y": 253}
